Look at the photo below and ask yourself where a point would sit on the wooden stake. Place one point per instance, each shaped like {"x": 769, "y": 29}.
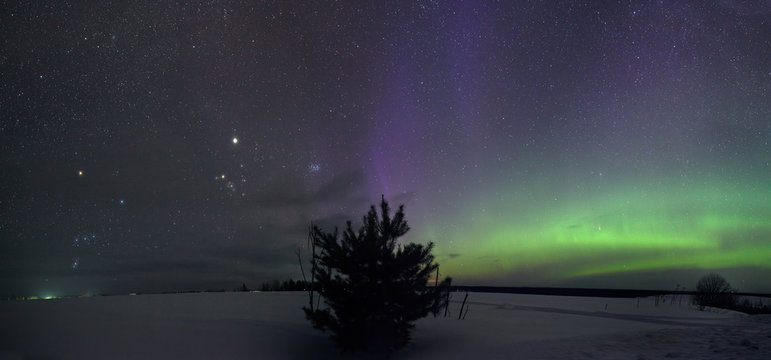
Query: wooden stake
{"x": 462, "y": 305}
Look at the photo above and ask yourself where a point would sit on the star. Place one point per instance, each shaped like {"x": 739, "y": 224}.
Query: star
{"x": 452, "y": 119}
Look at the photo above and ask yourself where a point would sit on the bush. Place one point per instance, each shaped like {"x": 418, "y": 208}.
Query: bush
{"x": 373, "y": 287}
{"x": 713, "y": 290}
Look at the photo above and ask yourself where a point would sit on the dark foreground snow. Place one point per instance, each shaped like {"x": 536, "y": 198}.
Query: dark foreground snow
{"x": 271, "y": 326}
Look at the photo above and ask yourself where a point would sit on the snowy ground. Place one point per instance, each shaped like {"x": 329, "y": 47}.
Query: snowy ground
{"x": 271, "y": 326}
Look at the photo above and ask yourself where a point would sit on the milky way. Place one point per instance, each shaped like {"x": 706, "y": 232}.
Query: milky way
{"x": 184, "y": 146}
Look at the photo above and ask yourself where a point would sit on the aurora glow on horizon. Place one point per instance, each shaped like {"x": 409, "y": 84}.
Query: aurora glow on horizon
{"x": 587, "y": 144}
{"x": 643, "y": 229}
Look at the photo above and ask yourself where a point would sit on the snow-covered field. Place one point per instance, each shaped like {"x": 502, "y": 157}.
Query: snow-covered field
{"x": 272, "y": 326}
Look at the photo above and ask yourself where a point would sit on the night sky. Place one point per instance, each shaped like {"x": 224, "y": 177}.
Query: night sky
{"x": 187, "y": 146}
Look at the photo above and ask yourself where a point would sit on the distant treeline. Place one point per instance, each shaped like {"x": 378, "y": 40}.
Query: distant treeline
{"x": 615, "y": 293}
{"x": 286, "y": 285}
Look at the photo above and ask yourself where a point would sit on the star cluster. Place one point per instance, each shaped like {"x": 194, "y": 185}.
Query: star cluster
{"x": 184, "y": 145}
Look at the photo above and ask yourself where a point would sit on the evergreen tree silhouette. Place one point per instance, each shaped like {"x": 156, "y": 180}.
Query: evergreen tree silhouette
{"x": 373, "y": 287}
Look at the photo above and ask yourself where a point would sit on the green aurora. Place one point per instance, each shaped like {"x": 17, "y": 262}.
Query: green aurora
{"x": 669, "y": 225}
